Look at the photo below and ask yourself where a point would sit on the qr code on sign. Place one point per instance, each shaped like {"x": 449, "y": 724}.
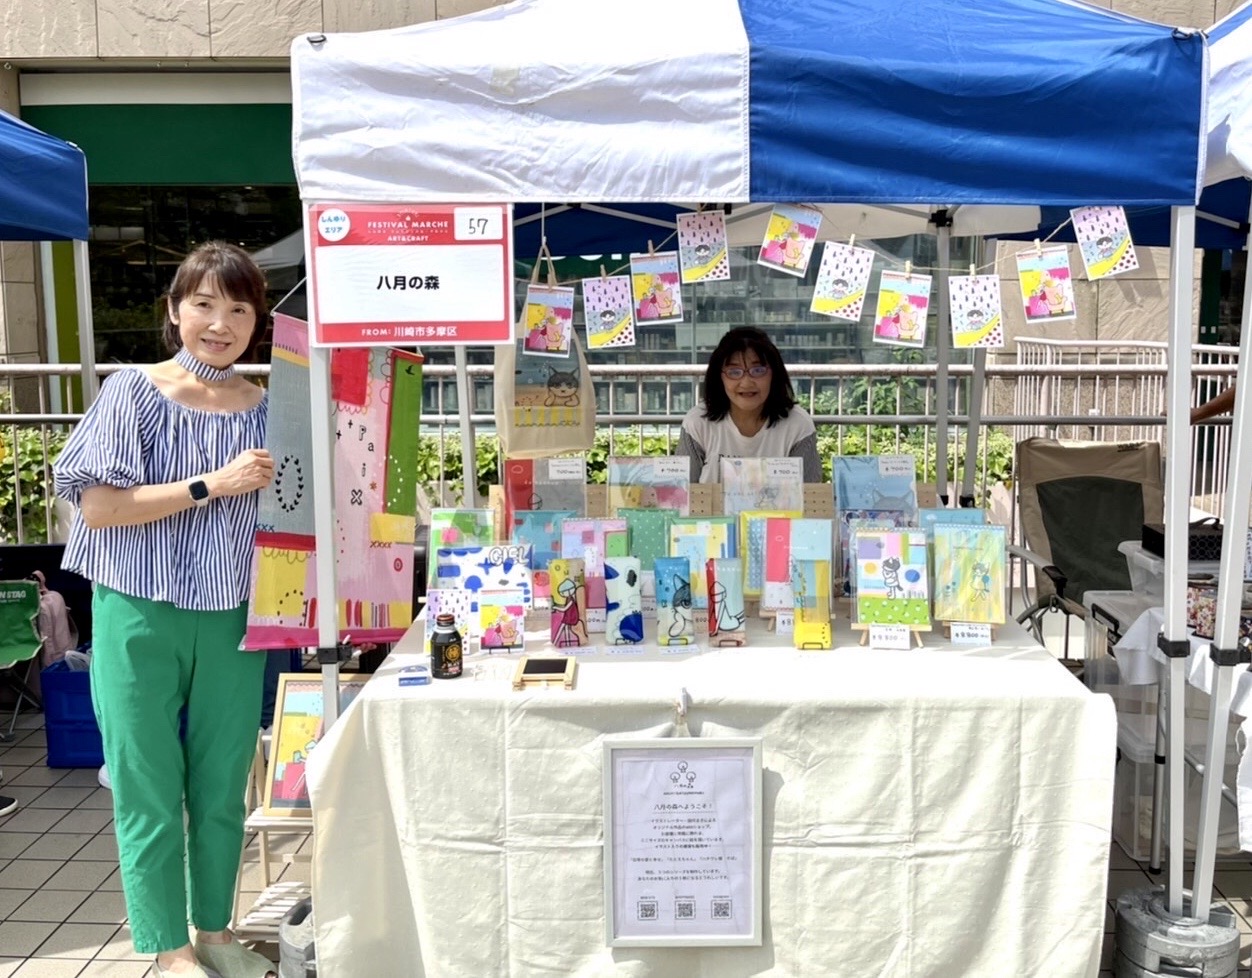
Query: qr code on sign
{"x": 721, "y": 910}
{"x": 684, "y": 910}
{"x": 647, "y": 910}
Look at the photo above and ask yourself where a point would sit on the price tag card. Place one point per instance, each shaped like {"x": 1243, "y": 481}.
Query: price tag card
{"x": 785, "y": 622}
{"x": 679, "y": 649}
{"x": 970, "y": 633}
{"x": 894, "y": 466}
{"x": 595, "y": 619}
{"x": 580, "y": 650}
{"x": 567, "y": 469}
{"x": 625, "y": 649}
{"x": 673, "y": 467}
{"x": 647, "y": 603}
{"x": 890, "y": 637}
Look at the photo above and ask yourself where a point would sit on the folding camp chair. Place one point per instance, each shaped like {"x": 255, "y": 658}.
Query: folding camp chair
{"x": 1076, "y": 501}
{"x": 19, "y": 642}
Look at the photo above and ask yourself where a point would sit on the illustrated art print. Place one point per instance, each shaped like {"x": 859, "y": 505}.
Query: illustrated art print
{"x": 702, "y": 247}
{"x": 789, "y": 238}
{"x": 761, "y": 483}
{"x": 607, "y": 309}
{"x": 569, "y": 603}
{"x": 891, "y": 580}
{"x": 975, "y": 312}
{"x": 655, "y": 288}
{"x": 842, "y": 281}
{"x": 646, "y": 482}
{"x": 1047, "y": 289}
{"x": 549, "y": 319}
{"x": 900, "y": 316}
{"x": 501, "y": 621}
{"x": 970, "y": 567}
{"x": 1104, "y": 240}
{"x": 298, "y": 726}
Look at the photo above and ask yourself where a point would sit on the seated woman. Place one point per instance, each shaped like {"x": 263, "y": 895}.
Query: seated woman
{"x": 749, "y": 409}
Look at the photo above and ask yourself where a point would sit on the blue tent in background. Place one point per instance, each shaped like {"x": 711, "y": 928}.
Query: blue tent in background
{"x": 43, "y": 185}
{"x": 43, "y": 197}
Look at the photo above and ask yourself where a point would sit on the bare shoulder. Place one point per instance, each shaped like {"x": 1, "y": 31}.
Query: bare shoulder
{"x": 251, "y": 392}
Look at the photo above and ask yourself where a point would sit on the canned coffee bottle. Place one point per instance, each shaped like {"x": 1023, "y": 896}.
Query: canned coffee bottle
{"x": 445, "y": 648}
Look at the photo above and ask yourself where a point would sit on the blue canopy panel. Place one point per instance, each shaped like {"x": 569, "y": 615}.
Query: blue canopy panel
{"x": 951, "y": 102}
{"x": 1151, "y": 225}
{"x": 43, "y": 185}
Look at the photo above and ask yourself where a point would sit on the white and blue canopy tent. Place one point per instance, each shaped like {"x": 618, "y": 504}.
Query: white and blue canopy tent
{"x": 43, "y": 197}
{"x": 937, "y": 107}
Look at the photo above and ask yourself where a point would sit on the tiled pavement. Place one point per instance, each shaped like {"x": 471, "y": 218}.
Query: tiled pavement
{"x": 61, "y": 908}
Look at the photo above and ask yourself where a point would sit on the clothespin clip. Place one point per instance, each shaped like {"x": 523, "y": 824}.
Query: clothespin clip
{"x": 972, "y": 270}
{"x": 604, "y": 276}
{"x": 651, "y": 247}
{"x": 1038, "y": 247}
{"x": 908, "y": 269}
{"x": 851, "y": 240}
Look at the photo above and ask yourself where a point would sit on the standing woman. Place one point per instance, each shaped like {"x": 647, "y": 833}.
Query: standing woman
{"x": 749, "y": 410}
{"x": 165, "y": 469}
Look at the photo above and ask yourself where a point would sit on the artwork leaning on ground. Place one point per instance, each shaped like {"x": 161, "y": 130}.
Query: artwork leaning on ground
{"x": 377, "y": 397}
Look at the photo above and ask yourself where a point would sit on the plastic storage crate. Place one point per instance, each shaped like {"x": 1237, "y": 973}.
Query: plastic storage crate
{"x": 69, "y": 721}
{"x": 1132, "y": 791}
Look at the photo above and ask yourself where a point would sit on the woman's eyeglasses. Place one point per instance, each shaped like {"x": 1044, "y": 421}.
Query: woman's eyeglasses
{"x": 756, "y": 371}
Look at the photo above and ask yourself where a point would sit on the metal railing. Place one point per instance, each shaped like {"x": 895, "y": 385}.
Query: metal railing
{"x": 1052, "y": 390}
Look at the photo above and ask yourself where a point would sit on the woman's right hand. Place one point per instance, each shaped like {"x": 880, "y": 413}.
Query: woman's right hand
{"x": 246, "y": 472}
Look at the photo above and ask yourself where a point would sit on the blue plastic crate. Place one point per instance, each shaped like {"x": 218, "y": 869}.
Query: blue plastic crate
{"x": 69, "y": 721}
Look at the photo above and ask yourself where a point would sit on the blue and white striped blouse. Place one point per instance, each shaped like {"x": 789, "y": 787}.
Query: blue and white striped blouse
{"x": 199, "y": 559}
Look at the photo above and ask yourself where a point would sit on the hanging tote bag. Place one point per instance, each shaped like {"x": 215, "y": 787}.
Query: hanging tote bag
{"x": 544, "y": 405}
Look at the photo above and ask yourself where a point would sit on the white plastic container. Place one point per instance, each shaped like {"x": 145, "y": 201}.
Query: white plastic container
{"x": 1132, "y": 790}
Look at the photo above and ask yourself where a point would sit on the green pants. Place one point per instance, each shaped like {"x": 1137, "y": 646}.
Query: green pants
{"x": 149, "y": 661}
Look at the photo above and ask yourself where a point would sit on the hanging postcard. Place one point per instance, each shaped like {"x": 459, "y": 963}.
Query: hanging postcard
{"x": 549, "y": 319}
{"x": 789, "y": 238}
{"x": 975, "y": 311}
{"x": 606, "y": 308}
{"x": 655, "y": 287}
{"x": 702, "y": 247}
{"x": 1047, "y": 289}
{"x": 842, "y": 280}
{"x": 1104, "y": 238}
{"x": 900, "y": 319}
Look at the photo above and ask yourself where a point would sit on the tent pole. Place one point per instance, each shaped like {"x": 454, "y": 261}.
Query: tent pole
{"x": 1225, "y": 650}
{"x": 86, "y": 328}
{"x": 1174, "y": 642}
{"x": 943, "y": 230}
{"x": 47, "y": 287}
{"x": 469, "y": 457}
{"x": 323, "y": 478}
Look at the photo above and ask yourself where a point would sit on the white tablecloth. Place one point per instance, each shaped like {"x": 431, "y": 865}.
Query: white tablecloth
{"x": 934, "y": 812}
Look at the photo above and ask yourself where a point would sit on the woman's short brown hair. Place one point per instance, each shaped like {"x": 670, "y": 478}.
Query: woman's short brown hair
{"x": 235, "y": 273}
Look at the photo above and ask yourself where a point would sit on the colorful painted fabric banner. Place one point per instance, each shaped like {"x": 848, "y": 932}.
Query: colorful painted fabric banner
{"x": 377, "y": 397}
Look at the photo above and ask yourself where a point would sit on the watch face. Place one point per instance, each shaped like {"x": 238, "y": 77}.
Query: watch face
{"x": 199, "y": 491}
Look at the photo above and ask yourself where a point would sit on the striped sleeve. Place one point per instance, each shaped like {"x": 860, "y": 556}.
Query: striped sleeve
{"x": 105, "y": 448}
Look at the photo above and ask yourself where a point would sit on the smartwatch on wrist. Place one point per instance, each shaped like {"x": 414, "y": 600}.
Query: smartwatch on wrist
{"x": 199, "y": 491}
